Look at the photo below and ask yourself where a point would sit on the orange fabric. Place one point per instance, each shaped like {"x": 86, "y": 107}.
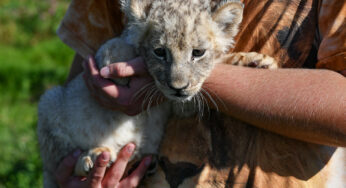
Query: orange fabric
{"x": 89, "y": 23}
{"x": 285, "y": 30}
{"x": 332, "y": 27}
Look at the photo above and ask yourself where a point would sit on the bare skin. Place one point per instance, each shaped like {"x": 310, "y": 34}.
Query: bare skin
{"x": 117, "y": 97}
{"x": 100, "y": 177}
{"x": 308, "y": 105}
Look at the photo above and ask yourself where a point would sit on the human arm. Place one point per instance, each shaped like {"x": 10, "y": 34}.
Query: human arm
{"x": 303, "y": 104}
{"x": 100, "y": 176}
{"x": 308, "y": 105}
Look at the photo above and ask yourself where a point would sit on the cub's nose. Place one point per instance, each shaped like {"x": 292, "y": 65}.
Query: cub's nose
{"x": 178, "y": 89}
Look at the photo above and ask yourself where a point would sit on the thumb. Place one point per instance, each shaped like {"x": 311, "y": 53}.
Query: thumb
{"x": 66, "y": 167}
{"x": 134, "y": 67}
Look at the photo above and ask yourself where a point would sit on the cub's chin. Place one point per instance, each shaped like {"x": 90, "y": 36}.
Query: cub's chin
{"x": 184, "y": 96}
{"x": 179, "y": 98}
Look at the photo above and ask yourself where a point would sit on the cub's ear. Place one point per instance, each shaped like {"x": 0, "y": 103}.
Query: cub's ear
{"x": 135, "y": 9}
{"x": 228, "y": 15}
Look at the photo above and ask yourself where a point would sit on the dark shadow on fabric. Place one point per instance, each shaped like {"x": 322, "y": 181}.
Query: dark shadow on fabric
{"x": 262, "y": 41}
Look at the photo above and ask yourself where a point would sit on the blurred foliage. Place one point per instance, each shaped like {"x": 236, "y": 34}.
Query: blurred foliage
{"x": 32, "y": 59}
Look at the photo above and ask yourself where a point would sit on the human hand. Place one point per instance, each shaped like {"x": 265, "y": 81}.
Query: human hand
{"x": 100, "y": 177}
{"x": 126, "y": 99}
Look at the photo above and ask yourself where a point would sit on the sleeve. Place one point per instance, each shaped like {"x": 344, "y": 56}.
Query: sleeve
{"x": 87, "y": 24}
{"x": 332, "y": 28}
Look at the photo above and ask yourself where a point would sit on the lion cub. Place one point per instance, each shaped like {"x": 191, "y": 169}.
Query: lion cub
{"x": 180, "y": 42}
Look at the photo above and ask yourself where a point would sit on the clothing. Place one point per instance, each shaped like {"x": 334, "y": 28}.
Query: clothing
{"x": 297, "y": 33}
{"x": 289, "y": 31}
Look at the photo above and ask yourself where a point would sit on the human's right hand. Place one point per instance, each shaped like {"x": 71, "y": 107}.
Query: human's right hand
{"x": 126, "y": 99}
{"x": 100, "y": 177}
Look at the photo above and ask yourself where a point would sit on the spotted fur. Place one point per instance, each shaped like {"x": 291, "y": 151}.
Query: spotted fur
{"x": 297, "y": 33}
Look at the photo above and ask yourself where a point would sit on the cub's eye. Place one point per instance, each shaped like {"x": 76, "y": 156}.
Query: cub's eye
{"x": 198, "y": 53}
{"x": 160, "y": 52}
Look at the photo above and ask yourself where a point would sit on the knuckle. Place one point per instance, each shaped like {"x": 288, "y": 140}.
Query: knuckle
{"x": 118, "y": 175}
{"x": 101, "y": 163}
{"x": 118, "y": 69}
{"x": 124, "y": 155}
{"x": 96, "y": 178}
{"x": 134, "y": 183}
{"x": 111, "y": 183}
{"x": 124, "y": 70}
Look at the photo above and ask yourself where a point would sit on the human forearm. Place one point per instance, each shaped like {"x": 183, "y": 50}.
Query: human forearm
{"x": 309, "y": 105}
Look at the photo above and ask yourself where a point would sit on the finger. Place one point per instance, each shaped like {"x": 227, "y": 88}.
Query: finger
{"x": 66, "y": 167}
{"x": 96, "y": 175}
{"x": 136, "y": 176}
{"x": 125, "y": 69}
{"x": 96, "y": 83}
{"x": 91, "y": 66}
{"x": 117, "y": 170}
{"x": 122, "y": 95}
{"x": 92, "y": 76}
{"x": 106, "y": 92}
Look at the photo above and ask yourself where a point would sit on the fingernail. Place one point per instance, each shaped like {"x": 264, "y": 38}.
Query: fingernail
{"x": 105, "y": 156}
{"x": 147, "y": 161}
{"x": 130, "y": 148}
{"x": 76, "y": 153}
{"x": 105, "y": 72}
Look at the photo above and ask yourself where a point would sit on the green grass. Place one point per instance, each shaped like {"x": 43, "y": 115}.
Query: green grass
{"x": 32, "y": 59}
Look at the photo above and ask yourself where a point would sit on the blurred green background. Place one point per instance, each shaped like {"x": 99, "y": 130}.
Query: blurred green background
{"x": 32, "y": 59}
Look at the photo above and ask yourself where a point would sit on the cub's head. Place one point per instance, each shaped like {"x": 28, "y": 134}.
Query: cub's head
{"x": 180, "y": 39}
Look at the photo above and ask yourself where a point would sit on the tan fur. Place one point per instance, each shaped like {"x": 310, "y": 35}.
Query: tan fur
{"x": 69, "y": 117}
{"x": 224, "y": 152}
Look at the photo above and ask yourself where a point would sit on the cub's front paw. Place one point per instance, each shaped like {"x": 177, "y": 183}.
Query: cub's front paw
{"x": 253, "y": 59}
{"x": 87, "y": 160}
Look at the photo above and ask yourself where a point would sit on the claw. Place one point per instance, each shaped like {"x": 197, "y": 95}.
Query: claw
{"x": 253, "y": 64}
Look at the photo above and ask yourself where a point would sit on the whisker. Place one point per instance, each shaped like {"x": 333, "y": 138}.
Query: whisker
{"x": 200, "y": 105}
{"x": 146, "y": 98}
{"x": 206, "y": 102}
{"x": 211, "y": 99}
{"x": 195, "y": 102}
{"x": 154, "y": 92}
{"x": 182, "y": 107}
{"x": 150, "y": 97}
{"x": 157, "y": 102}
{"x": 142, "y": 90}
